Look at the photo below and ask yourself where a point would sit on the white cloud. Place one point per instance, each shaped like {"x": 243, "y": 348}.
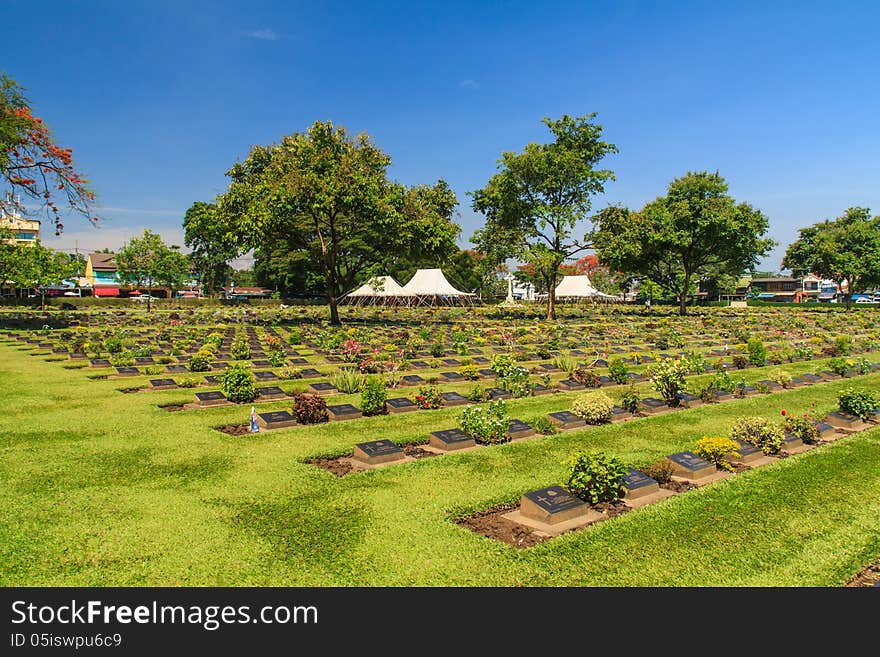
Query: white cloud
{"x": 263, "y": 35}
{"x": 469, "y": 84}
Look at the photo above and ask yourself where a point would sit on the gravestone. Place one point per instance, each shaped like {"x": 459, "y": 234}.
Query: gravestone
{"x": 638, "y": 484}
{"x": 160, "y": 384}
{"x": 127, "y": 371}
{"x": 825, "y": 430}
{"x": 211, "y": 398}
{"x": 298, "y": 361}
{"x": 451, "y": 361}
{"x": 690, "y": 466}
{"x": 271, "y": 392}
{"x": 606, "y": 380}
{"x": 265, "y": 376}
{"x": 722, "y": 395}
{"x": 343, "y": 412}
{"x": 400, "y": 405}
{"x": 452, "y": 376}
{"x": 828, "y": 375}
{"x": 600, "y": 362}
{"x": 212, "y": 379}
{"x": 747, "y": 453}
{"x": 552, "y": 505}
{"x": 453, "y": 399}
{"x": 619, "y": 413}
{"x": 498, "y": 393}
{"x": 811, "y": 378}
{"x": 309, "y": 373}
{"x": 790, "y": 441}
{"x": 566, "y": 420}
{"x": 377, "y": 452}
{"x": 61, "y": 350}
{"x": 747, "y": 391}
{"x": 688, "y": 400}
{"x": 411, "y": 380}
{"x": 635, "y": 376}
{"x": 538, "y": 389}
{"x": 99, "y": 362}
{"x": 144, "y": 360}
{"x": 519, "y": 430}
{"x": 77, "y": 356}
{"x": 481, "y": 360}
{"x": 548, "y": 367}
{"x": 771, "y": 385}
{"x": 275, "y": 419}
{"x": 842, "y": 420}
{"x": 451, "y": 439}
{"x": 486, "y": 373}
{"x": 567, "y": 385}
{"x": 333, "y": 359}
{"x": 322, "y": 388}
{"x": 261, "y": 363}
{"x": 652, "y": 405}
{"x": 796, "y": 382}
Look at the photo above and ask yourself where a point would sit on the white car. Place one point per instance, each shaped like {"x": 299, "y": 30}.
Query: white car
{"x": 864, "y": 300}
{"x": 143, "y": 298}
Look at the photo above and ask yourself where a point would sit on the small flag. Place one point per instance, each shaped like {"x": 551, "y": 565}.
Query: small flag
{"x": 255, "y": 428}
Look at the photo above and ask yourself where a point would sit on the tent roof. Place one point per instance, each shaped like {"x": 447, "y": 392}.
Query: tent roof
{"x": 432, "y": 282}
{"x": 380, "y": 286}
{"x": 579, "y": 286}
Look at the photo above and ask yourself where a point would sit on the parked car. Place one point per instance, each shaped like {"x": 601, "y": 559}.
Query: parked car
{"x": 73, "y": 293}
{"x": 865, "y": 300}
{"x": 143, "y": 298}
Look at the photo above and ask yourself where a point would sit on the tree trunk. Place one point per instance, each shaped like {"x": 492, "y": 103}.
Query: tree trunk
{"x": 683, "y": 295}
{"x": 334, "y": 311}
{"x": 42, "y": 299}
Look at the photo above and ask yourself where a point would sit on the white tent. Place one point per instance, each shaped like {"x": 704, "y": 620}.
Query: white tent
{"x": 380, "y": 290}
{"x": 580, "y": 287}
{"x": 430, "y": 287}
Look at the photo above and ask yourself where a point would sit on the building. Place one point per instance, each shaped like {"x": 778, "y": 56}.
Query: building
{"x": 243, "y": 293}
{"x": 102, "y": 275}
{"x": 786, "y": 288}
{"x": 24, "y": 230}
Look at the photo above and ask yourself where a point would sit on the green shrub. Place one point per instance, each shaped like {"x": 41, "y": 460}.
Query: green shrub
{"x": 780, "y": 376}
{"x": 277, "y": 358}
{"x": 596, "y": 477}
{"x": 516, "y": 382}
{"x": 152, "y": 370}
{"x": 428, "y": 397}
{"x": 862, "y": 365}
{"x": 348, "y": 381}
{"x": 240, "y": 349}
{"x": 487, "y": 424}
{"x": 476, "y": 395}
{"x": 164, "y": 360}
{"x": 594, "y": 407}
{"x": 566, "y": 363}
{"x": 586, "y": 376}
{"x": 843, "y": 345}
{"x": 289, "y": 373}
{"x": 857, "y": 401}
{"x": 802, "y": 426}
{"x": 668, "y": 378}
{"x": 436, "y": 349}
{"x": 631, "y": 399}
{"x": 502, "y": 364}
{"x": 294, "y": 337}
{"x": 715, "y": 450}
{"x": 740, "y": 362}
{"x": 188, "y": 382}
{"x": 660, "y": 471}
{"x": 470, "y": 372}
{"x": 618, "y": 371}
{"x": 239, "y": 384}
{"x": 759, "y": 432}
{"x": 201, "y": 361}
{"x": 122, "y": 359}
{"x": 113, "y": 345}
{"x": 543, "y": 425}
{"x": 757, "y": 352}
{"x": 839, "y": 366}
{"x": 309, "y": 408}
{"x": 373, "y": 396}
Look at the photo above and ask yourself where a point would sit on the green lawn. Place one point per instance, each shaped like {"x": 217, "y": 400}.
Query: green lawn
{"x": 105, "y": 488}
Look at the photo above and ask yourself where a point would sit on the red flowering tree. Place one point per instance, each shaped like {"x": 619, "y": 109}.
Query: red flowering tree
{"x": 33, "y": 166}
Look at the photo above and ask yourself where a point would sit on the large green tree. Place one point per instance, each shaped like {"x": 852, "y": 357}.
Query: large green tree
{"x": 536, "y": 200}
{"x": 147, "y": 261}
{"x": 326, "y": 195}
{"x": 696, "y": 231}
{"x": 844, "y": 250}
{"x": 38, "y": 267}
{"x": 33, "y": 166}
{"x": 213, "y": 244}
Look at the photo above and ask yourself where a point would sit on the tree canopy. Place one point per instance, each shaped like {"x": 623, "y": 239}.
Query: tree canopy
{"x": 36, "y": 266}
{"x": 213, "y": 244}
{"x": 147, "y": 261}
{"x": 326, "y": 196}
{"x": 536, "y": 200}
{"x": 846, "y": 249}
{"x": 33, "y": 165}
{"x": 696, "y": 231}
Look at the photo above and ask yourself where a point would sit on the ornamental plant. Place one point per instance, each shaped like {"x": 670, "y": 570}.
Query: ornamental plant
{"x": 618, "y": 371}
{"x": 241, "y": 348}
{"x": 780, "y": 376}
{"x": 593, "y": 407}
{"x": 373, "y": 396}
{"x": 716, "y": 450}
{"x": 309, "y": 408}
{"x": 595, "y": 477}
{"x": 469, "y": 372}
{"x": 759, "y": 432}
{"x": 543, "y": 425}
{"x": 802, "y": 426}
{"x": 586, "y": 376}
{"x": 487, "y": 424}
{"x": 668, "y": 378}
{"x": 566, "y": 363}
{"x": 201, "y": 361}
{"x": 239, "y": 384}
{"x": 516, "y": 382}
{"x": 348, "y": 380}
{"x": 428, "y": 397}
{"x": 840, "y": 365}
{"x": 857, "y": 401}
{"x": 630, "y": 400}
{"x": 502, "y": 364}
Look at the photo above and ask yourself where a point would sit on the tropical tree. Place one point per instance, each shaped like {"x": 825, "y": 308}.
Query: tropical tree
{"x": 38, "y": 267}
{"x": 697, "y": 230}
{"x": 536, "y": 200}
{"x": 326, "y": 195}
{"x": 147, "y": 261}
{"x": 32, "y": 165}
{"x": 213, "y": 244}
{"x": 844, "y": 250}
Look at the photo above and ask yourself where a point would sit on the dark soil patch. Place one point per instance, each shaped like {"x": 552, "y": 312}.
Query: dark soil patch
{"x": 741, "y": 467}
{"x": 337, "y": 466}
{"x": 172, "y": 407}
{"x": 490, "y": 524}
{"x": 416, "y": 452}
{"x": 868, "y": 577}
{"x": 128, "y": 390}
{"x": 235, "y": 429}
{"x": 678, "y": 486}
{"x": 612, "y": 509}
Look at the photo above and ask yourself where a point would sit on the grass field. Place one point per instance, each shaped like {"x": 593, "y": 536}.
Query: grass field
{"x": 104, "y": 488}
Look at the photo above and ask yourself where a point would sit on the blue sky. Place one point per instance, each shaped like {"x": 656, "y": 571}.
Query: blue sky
{"x": 158, "y": 99}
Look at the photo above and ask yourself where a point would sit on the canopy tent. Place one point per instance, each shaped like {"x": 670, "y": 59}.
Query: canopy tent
{"x": 379, "y": 290}
{"x": 430, "y": 287}
{"x": 579, "y": 287}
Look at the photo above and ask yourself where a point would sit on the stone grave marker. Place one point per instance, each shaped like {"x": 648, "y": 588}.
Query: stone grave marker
{"x": 298, "y": 361}
{"x": 213, "y": 379}
{"x": 261, "y": 363}
{"x": 271, "y": 392}
{"x": 690, "y": 466}
{"x": 486, "y": 373}
{"x": 619, "y": 413}
{"x": 567, "y": 385}
{"x": 162, "y": 384}
{"x": 333, "y": 359}
{"x": 825, "y": 429}
{"x": 343, "y": 412}
{"x": 377, "y": 452}
{"x": 412, "y": 380}
{"x": 688, "y": 400}
{"x": 519, "y": 430}
{"x": 127, "y": 371}
{"x": 309, "y": 373}
{"x": 322, "y": 388}
{"x": 548, "y": 367}
{"x": 566, "y": 420}
{"x": 497, "y": 393}
{"x": 400, "y": 405}
{"x": 811, "y": 378}
{"x": 481, "y": 360}
{"x": 452, "y": 376}
{"x": 99, "y": 362}
{"x": 453, "y": 399}
{"x": 419, "y": 364}
{"x": 771, "y": 385}
{"x": 638, "y": 484}
{"x": 747, "y": 453}
{"x": 211, "y": 398}
{"x": 651, "y": 405}
{"x": 722, "y": 395}
{"x": 538, "y": 389}
{"x": 842, "y": 420}
{"x": 790, "y": 441}
{"x": 451, "y": 361}
{"x": 265, "y": 376}
{"x": 275, "y": 419}
{"x": 145, "y": 360}
{"x": 552, "y": 505}
{"x": 451, "y": 439}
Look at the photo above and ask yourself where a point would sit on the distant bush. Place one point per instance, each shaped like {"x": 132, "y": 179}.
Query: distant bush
{"x": 618, "y": 371}
{"x": 593, "y": 407}
{"x": 782, "y": 377}
{"x": 668, "y": 378}
{"x": 470, "y": 372}
{"x": 596, "y": 477}
{"x": 201, "y": 361}
{"x": 803, "y": 426}
{"x": 586, "y": 376}
{"x": 857, "y": 401}
{"x": 239, "y": 384}
{"x": 373, "y": 396}
{"x": 310, "y": 408}
{"x": 757, "y": 352}
{"x": 241, "y": 348}
{"x": 660, "y": 471}
{"x": 428, "y": 397}
{"x": 759, "y": 432}
{"x": 543, "y": 425}
{"x": 631, "y": 399}
{"x": 487, "y": 424}
{"x": 715, "y": 449}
